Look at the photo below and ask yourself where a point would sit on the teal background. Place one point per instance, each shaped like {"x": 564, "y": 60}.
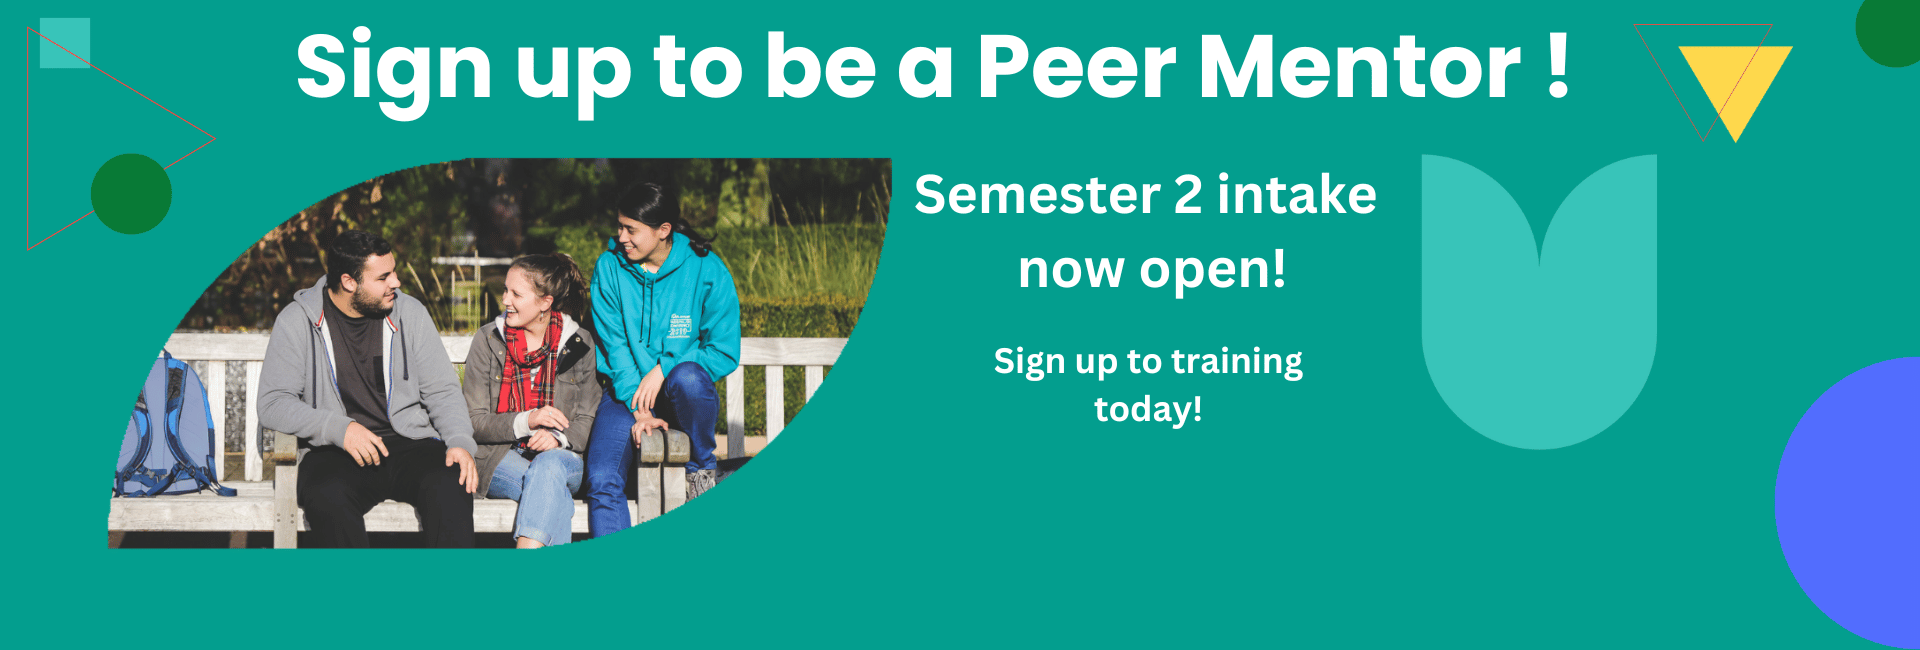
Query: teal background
{"x": 966, "y": 507}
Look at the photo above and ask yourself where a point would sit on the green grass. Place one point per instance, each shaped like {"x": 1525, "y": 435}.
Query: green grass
{"x": 797, "y": 267}
{"x": 768, "y": 261}
{"x": 798, "y": 261}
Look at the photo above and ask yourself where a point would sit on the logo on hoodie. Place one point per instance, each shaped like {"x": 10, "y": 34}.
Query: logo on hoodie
{"x": 679, "y": 327}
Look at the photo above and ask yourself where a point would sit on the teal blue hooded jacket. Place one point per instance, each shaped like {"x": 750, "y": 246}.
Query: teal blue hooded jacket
{"x": 687, "y": 312}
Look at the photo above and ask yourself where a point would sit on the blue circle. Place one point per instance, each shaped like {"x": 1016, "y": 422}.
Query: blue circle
{"x": 1847, "y": 503}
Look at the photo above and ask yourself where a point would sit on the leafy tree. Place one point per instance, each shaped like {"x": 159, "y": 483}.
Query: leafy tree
{"x": 506, "y": 207}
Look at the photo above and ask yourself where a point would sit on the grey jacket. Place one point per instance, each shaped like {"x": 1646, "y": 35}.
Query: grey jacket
{"x": 577, "y": 394}
{"x": 299, "y": 396}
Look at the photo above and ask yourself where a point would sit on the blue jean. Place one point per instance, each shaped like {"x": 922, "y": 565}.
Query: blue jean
{"x": 687, "y": 401}
{"x": 544, "y": 487}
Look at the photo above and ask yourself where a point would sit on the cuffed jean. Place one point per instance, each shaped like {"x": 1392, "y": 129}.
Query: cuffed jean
{"x": 687, "y": 401}
{"x": 544, "y": 487}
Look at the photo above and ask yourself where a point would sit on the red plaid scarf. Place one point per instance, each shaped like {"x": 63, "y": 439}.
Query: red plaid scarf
{"x": 519, "y": 390}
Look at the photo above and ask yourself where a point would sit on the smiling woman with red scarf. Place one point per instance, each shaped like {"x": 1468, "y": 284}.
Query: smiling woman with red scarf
{"x": 532, "y": 399}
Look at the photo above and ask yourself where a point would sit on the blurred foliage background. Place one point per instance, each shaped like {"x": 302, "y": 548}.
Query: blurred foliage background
{"x": 802, "y": 238}
{"x": 787, "y": 228}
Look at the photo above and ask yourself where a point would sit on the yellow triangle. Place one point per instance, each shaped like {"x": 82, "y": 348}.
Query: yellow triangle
{"x": 1735, "y": 78}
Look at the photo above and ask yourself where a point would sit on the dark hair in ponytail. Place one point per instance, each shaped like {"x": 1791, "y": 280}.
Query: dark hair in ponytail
{"x": 643, "y": 202}
{"x": 556, "y": 275}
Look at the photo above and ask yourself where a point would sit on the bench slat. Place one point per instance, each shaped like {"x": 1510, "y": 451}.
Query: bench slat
{"x": 255, "y": 513}
{"x": 760, "y": 351}
{"x": 189, "y": 346}
{"x": 815, "y": 375}
{"x": 647, "y": 492}
{"x": 737, "y": 413}
{"x": 252, "y": 433}
{"x": 673, "y": 486}
{"x": 251, "y": 510}
{"x": 754, "y": 351}
{"x": 489, "y": 516}
{"x": 216, "y": 386}
{"x": 186, "y": 512}
{"x": 776, "y": 401}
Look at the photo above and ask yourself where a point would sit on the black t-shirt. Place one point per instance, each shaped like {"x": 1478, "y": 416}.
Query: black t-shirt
{"x": 357, "y": 352}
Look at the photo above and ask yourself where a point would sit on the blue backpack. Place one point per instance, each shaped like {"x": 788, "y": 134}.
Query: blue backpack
{"x": 169, "y": 445}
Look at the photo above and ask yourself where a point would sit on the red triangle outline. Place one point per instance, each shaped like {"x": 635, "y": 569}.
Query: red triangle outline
{"x": 1676, "y": 93}
{"x": 29, "y": 115}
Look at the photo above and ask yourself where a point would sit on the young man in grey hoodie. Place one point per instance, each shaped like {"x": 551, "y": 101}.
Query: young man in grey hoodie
{"x": 355, "y": 369}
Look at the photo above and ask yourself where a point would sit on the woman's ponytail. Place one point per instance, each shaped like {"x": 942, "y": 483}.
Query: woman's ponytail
{"x": 700, "y": 244}
{"x": 558, "y": 276}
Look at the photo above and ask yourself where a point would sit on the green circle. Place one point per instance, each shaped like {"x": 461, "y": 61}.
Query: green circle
{"x": 131, "y": 193}
{"x": 1889, "y": 31}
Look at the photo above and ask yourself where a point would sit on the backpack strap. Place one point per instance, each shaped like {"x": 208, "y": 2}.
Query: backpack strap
{"x": 206, "y": 479}
{"x": 135, "y": 472}
{"x": 184, "y": 467}
{"x": 143, "y": 428}
{"x": 183, "y": 464}
{"x": 155, "y": 481}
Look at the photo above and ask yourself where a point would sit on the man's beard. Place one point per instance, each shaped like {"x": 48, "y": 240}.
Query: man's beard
{"x": 369, "y": 306}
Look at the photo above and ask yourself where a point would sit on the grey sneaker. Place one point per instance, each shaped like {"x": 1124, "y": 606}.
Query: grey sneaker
{"x": 699, "y": 481}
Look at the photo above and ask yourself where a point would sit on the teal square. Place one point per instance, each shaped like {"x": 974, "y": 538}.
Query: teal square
{"x": 75, "y": 34}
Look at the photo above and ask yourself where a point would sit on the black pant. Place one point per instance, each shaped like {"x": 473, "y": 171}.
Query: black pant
{"x": 337, "y": 493}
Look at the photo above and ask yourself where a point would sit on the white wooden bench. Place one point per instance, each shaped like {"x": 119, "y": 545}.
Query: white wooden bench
{"x": 271, "y": 505}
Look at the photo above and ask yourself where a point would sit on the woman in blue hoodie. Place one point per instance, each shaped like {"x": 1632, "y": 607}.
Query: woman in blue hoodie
{"x": 668, "y": 319}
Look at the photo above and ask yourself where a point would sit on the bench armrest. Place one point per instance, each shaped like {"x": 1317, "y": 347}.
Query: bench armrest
{"x": 674, "y": 447}
{"x": 285, "y": 457}
{"x": 285, "y": 451}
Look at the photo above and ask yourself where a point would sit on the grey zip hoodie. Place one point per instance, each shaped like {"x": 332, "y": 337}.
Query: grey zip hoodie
{"x": 299, "y": 396}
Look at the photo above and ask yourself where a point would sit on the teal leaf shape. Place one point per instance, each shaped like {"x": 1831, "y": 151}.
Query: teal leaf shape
{"x": 1538, "y": 348}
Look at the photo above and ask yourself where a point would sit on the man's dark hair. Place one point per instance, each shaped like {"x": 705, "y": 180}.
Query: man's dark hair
{"x": 348, "y": 254}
